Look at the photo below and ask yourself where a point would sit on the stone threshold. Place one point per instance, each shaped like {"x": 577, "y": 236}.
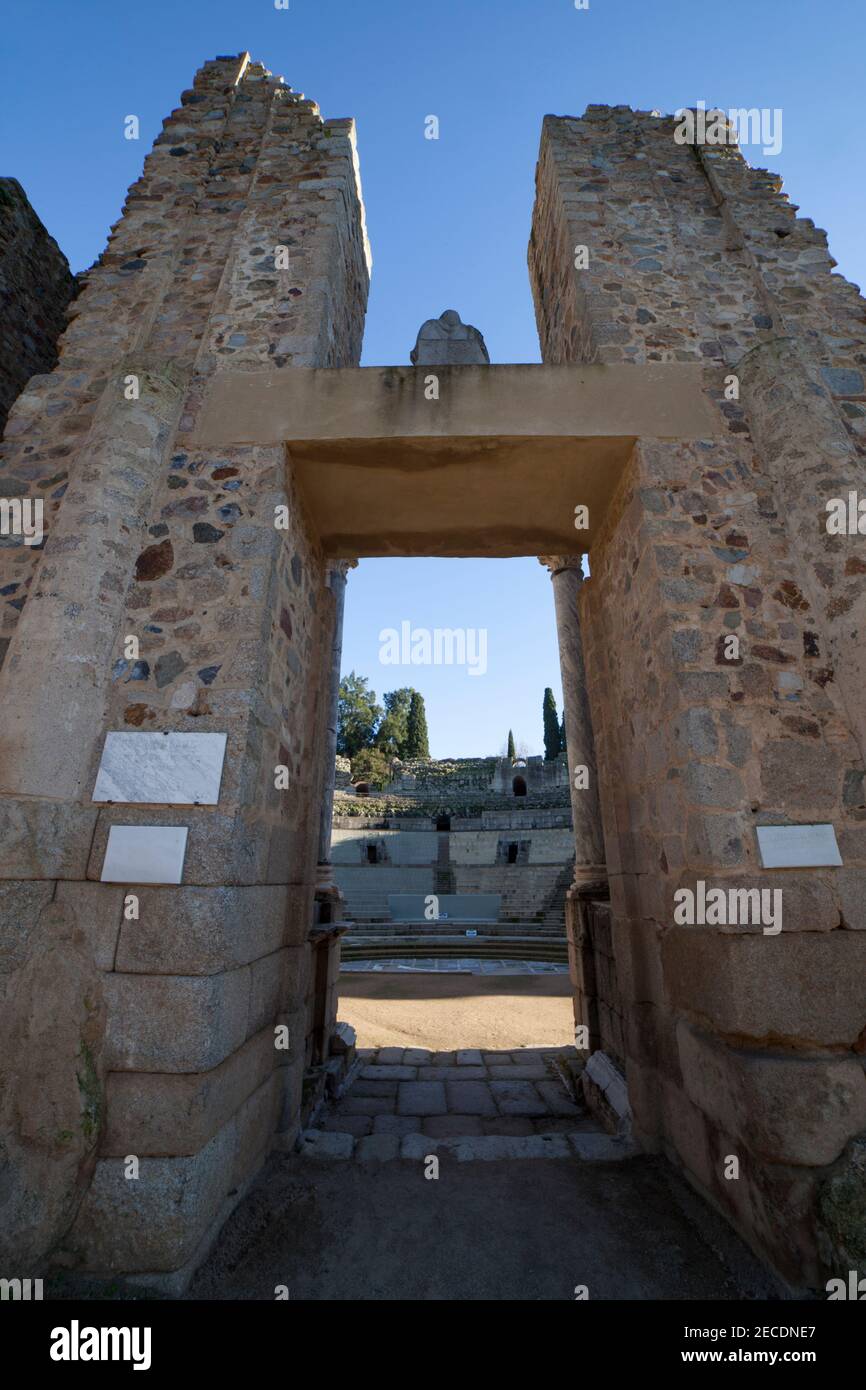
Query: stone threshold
{"x": 381, "y": 1148}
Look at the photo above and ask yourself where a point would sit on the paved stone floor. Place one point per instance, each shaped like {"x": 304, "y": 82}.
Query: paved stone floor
{"x": 396, "y": 1095}
{"x": 446, "y": 966}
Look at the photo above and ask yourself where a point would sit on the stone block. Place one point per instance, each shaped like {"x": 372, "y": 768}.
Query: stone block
{"x": 255, "y": 1125}
{"x": 365, "y": 1089}
{"x": 469, "y": 1098}
{"x": 343, "y": 1039}
{"x": 274, "y": 985}
{"x": 153, "y": 1114}
{"x": 163, "y": 1023}
{"x": 382, "y": 1073}
{"x": 45, "y": 839}
{"x": 223, "y": 849}
{"x": 803, "y": 987}
{"x": 98, "y": 908}
{"x": 201, "y": 931}
{"x": 396, "y": 1124}
{"x": 517, "y": 1098}
{"x": 452, "y": 1126}
{"x": 358, "y": 1125}
{"x": 154, "y": 1222}
{"x": 20, "y": 908}
{"x": 851, "y": 885}
{"x": 418, "y": 1147}
{"x": 320, "y": 1143}
{"x": 797, "y": 776}
{"x": 492, "y": 1148}
{"x": 377, "y": 1148}
{"x": 600, "y": 1148}
{"x": 784, "y": 1108}
{"x": 368, "y": 1105}
{"x": 422, "y": 1098}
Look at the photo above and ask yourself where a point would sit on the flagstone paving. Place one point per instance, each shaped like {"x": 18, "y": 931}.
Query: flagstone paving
{"x": 396, "y": 1093}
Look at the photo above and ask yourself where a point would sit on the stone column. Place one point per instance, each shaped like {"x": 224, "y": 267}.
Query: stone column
{"x": 337, "y": 576}
{"x": 566, "y": 572}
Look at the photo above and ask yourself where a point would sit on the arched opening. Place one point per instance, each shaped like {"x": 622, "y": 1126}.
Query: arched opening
{"x": 518, "y": 786}
{"x": 443, "y": 822}
{"x": 362, "y": 788}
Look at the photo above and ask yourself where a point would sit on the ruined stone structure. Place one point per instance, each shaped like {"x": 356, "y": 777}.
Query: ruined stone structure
{"x": 492, "y": 839}
{"x": 36, "y": 287}
{"x": 223, "y": 453}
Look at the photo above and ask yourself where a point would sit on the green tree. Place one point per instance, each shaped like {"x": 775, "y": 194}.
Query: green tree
{"x": 417, "y": 739}
{"x": 393, "y": 730}
{"x": 358, "y": 715}
{"x": 551, "y": 726}
{"x": 371, "y": 765}
{"x": 511, "y": 753}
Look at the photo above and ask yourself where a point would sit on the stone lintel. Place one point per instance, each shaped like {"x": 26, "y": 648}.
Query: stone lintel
{"x": 494, "y": 464}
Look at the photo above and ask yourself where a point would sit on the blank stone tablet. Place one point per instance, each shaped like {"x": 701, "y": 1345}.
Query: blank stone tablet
{"x": 145, "y": 854}
{"x": 172, "y": 769}
{"x": 798, "y": 846}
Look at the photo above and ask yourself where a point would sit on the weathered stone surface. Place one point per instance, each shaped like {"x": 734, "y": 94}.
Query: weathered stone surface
{"x": 158, "y": 1114}
{"x": 784, "y": 1109}
{"x": 843, "y": 1211}
{"x": 36, "y": 286}
{"x": 201, "y": 931}
{"x": 422, "y": 1098}
{"x": 52, "y": 1023}
{"x": 156, "y": 1222}
{"x": 377, "y": 1148}
{"x": 770, "y": 989}
{"x": 163, "y": 1023}
{"x": 318, "y": 1143}
{"x": 44, "y": 840}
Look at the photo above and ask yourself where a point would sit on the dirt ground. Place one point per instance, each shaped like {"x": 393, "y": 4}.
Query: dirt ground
{"x": 442, "y": 1012}
{"x": 515, "y": 1230}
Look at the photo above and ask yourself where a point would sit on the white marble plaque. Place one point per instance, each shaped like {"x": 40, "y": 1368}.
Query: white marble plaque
{"x": 798, "y": 846}
{"x": 145, "y": 854}
{"x": 171, "y": 769}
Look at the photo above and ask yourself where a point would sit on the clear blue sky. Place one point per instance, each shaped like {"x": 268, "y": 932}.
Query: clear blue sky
{"x": 449, "y": 219}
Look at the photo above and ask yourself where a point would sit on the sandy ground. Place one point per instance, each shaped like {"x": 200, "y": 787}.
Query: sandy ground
{"x": 450, "y": 1011}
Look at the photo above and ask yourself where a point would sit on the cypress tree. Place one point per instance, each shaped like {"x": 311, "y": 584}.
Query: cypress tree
{"x": 511, "y": 753}
{"x": 562, "y": 744}
{"x": 417, "y": 739}
{"x": 551, "y": 726}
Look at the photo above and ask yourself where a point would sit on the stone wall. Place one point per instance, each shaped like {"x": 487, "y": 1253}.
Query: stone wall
{"x": 466, "y": 780}
{"x": 178, "y": 549}
{"x": 467, "y": 859}
{"x": 36, "y": 287}
{"x": 738, "y": 1043}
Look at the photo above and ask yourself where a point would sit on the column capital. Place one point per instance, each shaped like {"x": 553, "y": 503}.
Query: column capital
{"x": 557, "y": 563}
{"x": 340, "y": 567}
